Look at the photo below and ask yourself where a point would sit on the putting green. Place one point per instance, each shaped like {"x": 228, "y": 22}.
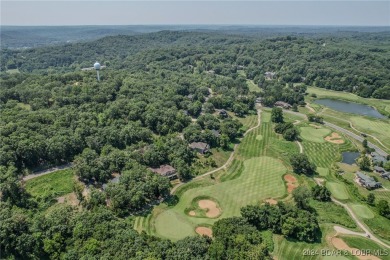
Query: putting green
{"x": 323, "y": 171}
{"x": 261, "y": 178}
{"x": 362, "y": 211}
{"x": 259, "y": 137}
{"x": 338, "y": 190}
{"x": 314, "y": 134}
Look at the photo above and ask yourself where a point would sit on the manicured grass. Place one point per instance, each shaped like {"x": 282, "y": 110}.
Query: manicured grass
{"x": 338, "y": 190}
{"x": 322, "y": 154}
{"x": 285, "y": 249}
{"x": 314, "y": 134}
{"x": 259, "y": 137}
{"x": 362, "y": 211}
{"x": 261, "y": 178}
{"x": 323, "y": 171}
{"x": 366, "y": 244}
{"x": 54, "y": 184}
{"x": 379, "y": 128}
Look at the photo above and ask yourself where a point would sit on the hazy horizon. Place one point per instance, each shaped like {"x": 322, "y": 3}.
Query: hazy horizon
{"x": 196, "y": 13}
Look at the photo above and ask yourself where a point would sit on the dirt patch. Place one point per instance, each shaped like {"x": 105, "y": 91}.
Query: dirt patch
{"x": 69, "y": 199}
{"x": 211, "y": 208}
{"x": 315, "y": 126}
{"x": 271, "y": 201}
{"x": 204, "y": 231}
{"x": 334, "y": 138}
{"x": 319, "y": 181}
{"x": 341, "y": 245}
{"x": 291, "y": 182}
{"x": 192, "y": 213}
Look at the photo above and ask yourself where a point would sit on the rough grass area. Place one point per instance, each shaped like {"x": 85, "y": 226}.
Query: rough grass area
{"x": 54, "y": 184}
{"x": 329, "y": 212}
{"x": 365, "y": 244}
{"x": 314, "y": 134}
{"x": 362, "y": 211}
{"x": 338, "y": 190}
{"x": 380, "y": 226}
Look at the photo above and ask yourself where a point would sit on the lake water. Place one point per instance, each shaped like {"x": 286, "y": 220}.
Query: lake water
{"x": 349, "y": 157}
{"x": 350, "y": 107}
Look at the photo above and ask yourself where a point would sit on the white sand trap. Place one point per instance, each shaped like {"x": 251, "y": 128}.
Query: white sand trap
{"x": 271, "y": 201}
{"x": 211, "y": 207}
{"x": 204, "y": 231}
{"x": 192, "y": 213}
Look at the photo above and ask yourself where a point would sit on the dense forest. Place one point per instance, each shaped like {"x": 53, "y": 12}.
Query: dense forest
{"x": 158, "y": 93}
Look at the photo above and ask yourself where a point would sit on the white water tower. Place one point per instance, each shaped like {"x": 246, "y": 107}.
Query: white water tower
{"x": 97, "y": 68}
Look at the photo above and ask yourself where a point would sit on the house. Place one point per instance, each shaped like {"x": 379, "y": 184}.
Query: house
{"x": 165, "y": 170}
{"x": 269, "y": 75}
{"x": 367, "y": 181}
{"x": 379, "y": 169}
{"x": 259, "y": 100}
{"x": 283, "y": 105}
{"x": 377, "y": 158}
{"x": 385, "y": 175}
{"x": 216, "y": 133}
{"x": 200, "y": 147}
{"x": 223, "y": 113}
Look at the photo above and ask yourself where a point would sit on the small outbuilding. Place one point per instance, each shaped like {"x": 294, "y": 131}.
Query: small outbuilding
{"x": 200, "y": 147}
{"x": 379, "y": 169}
{"x": 165, "y": 170}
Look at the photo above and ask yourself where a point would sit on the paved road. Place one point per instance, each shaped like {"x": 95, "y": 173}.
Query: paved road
{"x": 227, "y": 163}
{"x": 47, "y": 171}
{"x": 345, "y": 131}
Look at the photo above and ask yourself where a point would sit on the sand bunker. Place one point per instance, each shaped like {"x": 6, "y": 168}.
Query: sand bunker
{"x": 204, "y": 231}
{"x": 212, "y": 211}
{"x": 291, "y": 182}
{"x": 341, "y": 245}
{"x": 334, "y": 138}
{"x": 271, "y": 201}
{"x": 315, "y": 126}
{"x": 192, "y": 213}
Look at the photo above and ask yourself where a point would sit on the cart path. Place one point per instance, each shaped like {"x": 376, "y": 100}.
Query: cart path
{"x": 227, "y": 163}
{"x": 47, "y": 171}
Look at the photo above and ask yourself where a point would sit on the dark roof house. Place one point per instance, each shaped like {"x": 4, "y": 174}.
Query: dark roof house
{"x": 269, "y": 75}
{"x": 200, "y": 147}
{"x": 385, "y": 175}
{"x": 367, "y": 181}
{"x": 165, "y": 170}
{"x": 379, "y": 169}
{"x": 283, "y": 104}
{"x": 223, "y": 113}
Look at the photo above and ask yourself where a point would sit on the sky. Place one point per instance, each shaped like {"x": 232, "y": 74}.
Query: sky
{"x": 255, "y": 12}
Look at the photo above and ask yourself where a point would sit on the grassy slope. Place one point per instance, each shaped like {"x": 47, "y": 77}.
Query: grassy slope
{"x": 252, "y": 177}
{"x": 54, "y": 184}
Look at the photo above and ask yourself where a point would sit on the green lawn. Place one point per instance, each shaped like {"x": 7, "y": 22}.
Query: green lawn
{"x": 377, "y": 127}
{"x": 329, "y": 212}
{"x": 366, "y": 244}
{"x": 285, "y": 249}
{"x": 314, "y": 134}
{"x": 54, "y": 184}
{"x": 323, "y": 171}
{"x": 261, "y": 178}
{"x": 362, "y": 211}
{"x": 322, "y": 154}
{"x": 338, "y": 190}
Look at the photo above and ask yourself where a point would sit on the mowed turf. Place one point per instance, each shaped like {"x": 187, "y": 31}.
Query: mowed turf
{"x": 362, "y": 211}
{"x": 261, "y": 178}
{"x": 378, "y": 128}
{"x": 323, "y": 171}
{"x": 314, "y": 134}
{"x": 338, "y": 190}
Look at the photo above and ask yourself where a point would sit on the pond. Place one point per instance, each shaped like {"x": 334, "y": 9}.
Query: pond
{"x": 349, "y": 157}
{"x": 350, "y": 107}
